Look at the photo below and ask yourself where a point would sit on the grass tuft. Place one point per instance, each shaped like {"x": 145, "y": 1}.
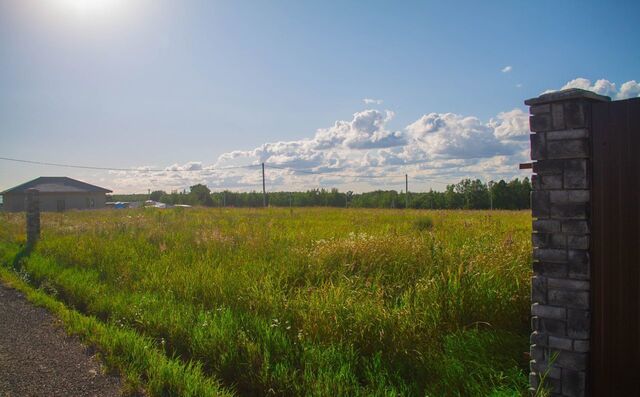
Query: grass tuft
{"x": 423, "y": 223}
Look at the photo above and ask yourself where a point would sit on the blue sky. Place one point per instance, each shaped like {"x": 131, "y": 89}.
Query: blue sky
{"x": 198, "y": 84}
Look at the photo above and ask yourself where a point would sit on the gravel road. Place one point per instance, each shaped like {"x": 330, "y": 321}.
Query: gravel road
{"x": 37, "y": 358}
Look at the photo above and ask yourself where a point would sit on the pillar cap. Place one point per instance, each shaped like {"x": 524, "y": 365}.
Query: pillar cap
{"x": 563, "y": 95}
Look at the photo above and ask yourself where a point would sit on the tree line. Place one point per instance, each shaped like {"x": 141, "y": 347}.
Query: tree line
{"x": 466, "y": 194}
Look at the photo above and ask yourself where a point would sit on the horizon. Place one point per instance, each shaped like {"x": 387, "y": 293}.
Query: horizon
{"x": 331, "y": 89}
{"x": 186, "y": 189}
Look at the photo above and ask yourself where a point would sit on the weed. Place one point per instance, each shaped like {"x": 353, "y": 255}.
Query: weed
{"x": 423, "y": 223}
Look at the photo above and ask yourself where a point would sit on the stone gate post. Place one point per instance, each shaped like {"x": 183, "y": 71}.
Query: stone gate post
{"x": 560, "y": 203}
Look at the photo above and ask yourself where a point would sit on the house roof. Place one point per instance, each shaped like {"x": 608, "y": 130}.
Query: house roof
{"x": 57, "y": 184}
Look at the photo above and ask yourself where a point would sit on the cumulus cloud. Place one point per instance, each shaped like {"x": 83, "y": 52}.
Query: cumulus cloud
{"x": 506, "y": 69}
{"x": 630, "y": 89}
{"x": 511, "y": 125}
{"x": 435, "y": 147}
{"x": 181, "y": 176}
{"x": 450, "y": 135}
{"x": 329, "y": 146}
{"x": 445, "y": 144}
{"x": 370, "y": 101}
{"x": 190, "y": 166}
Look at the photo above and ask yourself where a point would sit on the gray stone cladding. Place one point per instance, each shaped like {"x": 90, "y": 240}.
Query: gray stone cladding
{"x": 560, "y": 286}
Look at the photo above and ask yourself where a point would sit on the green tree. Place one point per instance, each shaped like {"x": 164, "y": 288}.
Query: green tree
{"x": 201, "y": 195}
{"x": 156, "y": 195}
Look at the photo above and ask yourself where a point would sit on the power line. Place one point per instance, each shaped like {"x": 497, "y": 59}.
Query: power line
{"x": 247, "y": 166}
{"x": 89, "y": 167}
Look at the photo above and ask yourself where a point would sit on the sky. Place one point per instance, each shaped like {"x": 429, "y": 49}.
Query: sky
{"x": 357, "y": 92}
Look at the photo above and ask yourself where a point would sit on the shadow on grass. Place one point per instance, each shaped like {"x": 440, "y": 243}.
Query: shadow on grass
{"x": 22, "y": 254}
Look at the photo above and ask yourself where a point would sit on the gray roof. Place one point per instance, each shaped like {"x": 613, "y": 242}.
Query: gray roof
{"x": 57, "y": 184}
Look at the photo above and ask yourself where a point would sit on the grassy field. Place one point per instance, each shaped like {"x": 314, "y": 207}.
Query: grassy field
{"x": 291, "y": 302}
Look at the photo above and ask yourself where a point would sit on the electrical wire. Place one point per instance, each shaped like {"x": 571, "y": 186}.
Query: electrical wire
{"x": 248, "y": 166}
{"x": 88, "y": 167}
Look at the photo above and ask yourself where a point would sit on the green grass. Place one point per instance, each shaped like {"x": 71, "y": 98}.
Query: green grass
{"x": 303, "y": 302}
{"x": 137, "y": 357}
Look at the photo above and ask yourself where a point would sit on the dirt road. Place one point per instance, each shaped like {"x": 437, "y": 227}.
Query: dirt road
{"x": 37, "y": 358}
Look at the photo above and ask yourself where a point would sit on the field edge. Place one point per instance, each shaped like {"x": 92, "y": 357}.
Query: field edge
{"x": 144, "y": 369}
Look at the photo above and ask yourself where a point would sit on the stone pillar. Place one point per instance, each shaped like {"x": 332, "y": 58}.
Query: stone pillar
{"x": 560, "y": 203}
{"x": 33, "y": 216}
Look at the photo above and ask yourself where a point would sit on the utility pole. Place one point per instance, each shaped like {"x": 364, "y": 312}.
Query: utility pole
{"x": 406, "y": 191}
{"x": 264, "y": 189}
{"x": 491, "y": 194}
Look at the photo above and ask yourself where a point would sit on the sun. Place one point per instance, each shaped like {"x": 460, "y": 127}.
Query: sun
{"x": 86, "y": 7}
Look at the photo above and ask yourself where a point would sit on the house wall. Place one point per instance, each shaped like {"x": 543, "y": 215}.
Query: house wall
{"x": 49, "y": 201}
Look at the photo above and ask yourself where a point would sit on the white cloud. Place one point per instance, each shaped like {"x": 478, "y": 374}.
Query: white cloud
{"x": 450, "y": 135}
{"x": 329, "y": 146}
{"x": 190, "y": 166}
{"x": 630, "y": 89}
{"x": 436, "y": 147}
{"x": 370, "y": 101}
{"x": 507, "y": 69}
{"x": 445, "y": 144}
{"x": 511, "y": 125}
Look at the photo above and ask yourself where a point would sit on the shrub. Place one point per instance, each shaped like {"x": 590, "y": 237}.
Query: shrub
{"x": 423, "y": 223}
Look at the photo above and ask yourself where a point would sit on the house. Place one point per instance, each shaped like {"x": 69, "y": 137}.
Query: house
{"x": 56, "y": 194}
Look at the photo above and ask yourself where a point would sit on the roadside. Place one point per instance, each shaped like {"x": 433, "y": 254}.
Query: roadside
{"x": 37, "y": 358}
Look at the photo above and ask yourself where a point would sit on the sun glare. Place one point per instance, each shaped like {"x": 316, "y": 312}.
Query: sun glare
{"x": 88, "y": 7}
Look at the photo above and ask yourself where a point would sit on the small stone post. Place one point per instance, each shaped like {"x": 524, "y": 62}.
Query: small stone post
{"x": 33, "y": 216}
{"x": 560, "y": 205}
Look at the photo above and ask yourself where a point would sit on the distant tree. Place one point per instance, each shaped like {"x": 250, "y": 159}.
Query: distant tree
{"x": 453, "y": 197}
{"x": 201, "y": 195}
{"x": 156, "y": 195}
{"x": 521, "y": 192}
{"x": 468, "y": 194}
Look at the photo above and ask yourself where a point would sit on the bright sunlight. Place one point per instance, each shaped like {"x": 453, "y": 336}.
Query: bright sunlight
{"x": 91, "y": 7}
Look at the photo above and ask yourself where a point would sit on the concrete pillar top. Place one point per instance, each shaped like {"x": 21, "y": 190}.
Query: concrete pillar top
{"x": 563, "y": 95}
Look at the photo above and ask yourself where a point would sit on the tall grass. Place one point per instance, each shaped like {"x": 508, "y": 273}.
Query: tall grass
{"x": 303, "y": 302}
